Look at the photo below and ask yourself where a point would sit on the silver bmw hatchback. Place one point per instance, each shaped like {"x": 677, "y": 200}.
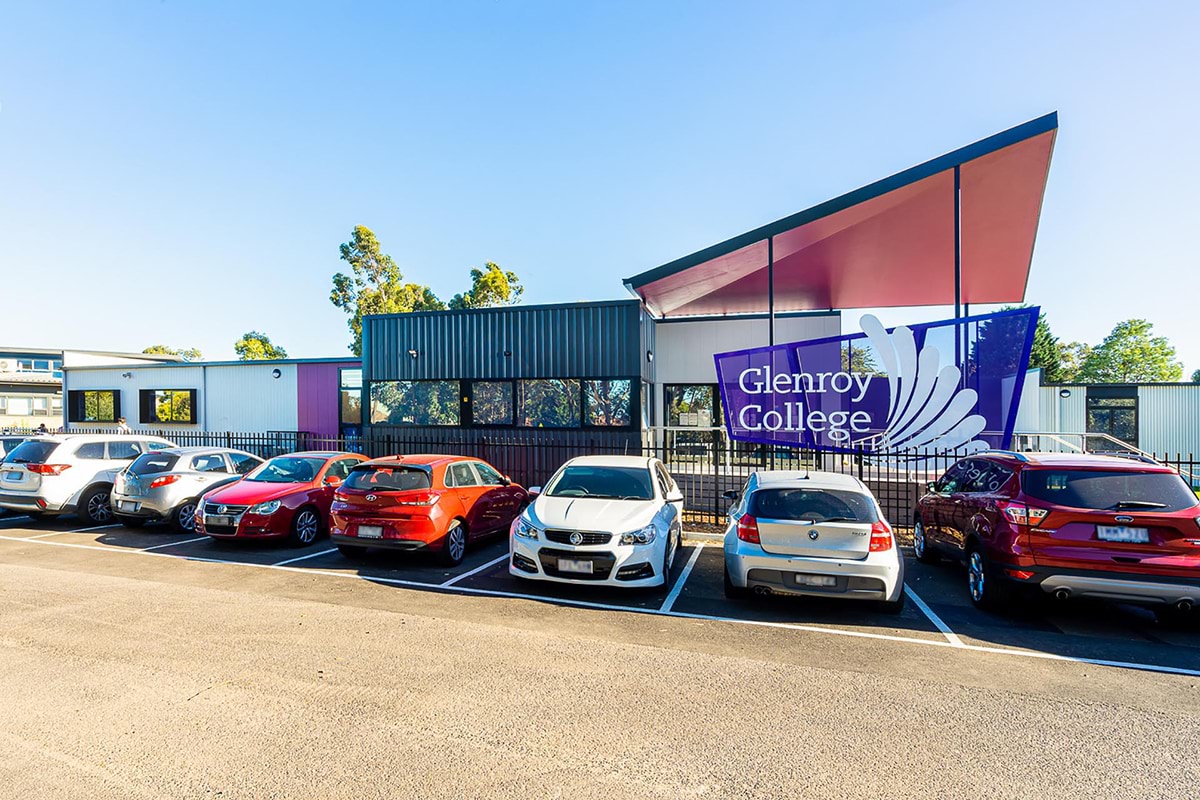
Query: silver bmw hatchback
{"x": 166, "y": 485}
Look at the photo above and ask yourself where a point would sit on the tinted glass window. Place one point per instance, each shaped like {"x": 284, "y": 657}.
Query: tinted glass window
{"x": 288, "y": 469}
{"x": 488, "y": 475}
{"x": 608, "y": 403}
{"x": 492, "y": 403}
{"x": 818, "y": 505}
{"x": 32, "y": 452}
{"x": 462, "y": 475}
{"x": 986, "y": 477}
{"x": 548, "y": 403}
{"x": 152, "y": 446}
{"x": 415, "y": 402}
{"x": 955, "y": 479}
{"x": 213, "y": 462}
{"x": 388, "y": 479}
{"x": 1109, "y": 489}
{"x": 124, "y": 451}
{"x": 341, "y": 468}
{"x": 243, "y": 463}
{"x": 90, "y": 450}
{"x": 631, "y": 483}
{"x": 152, "y": 463}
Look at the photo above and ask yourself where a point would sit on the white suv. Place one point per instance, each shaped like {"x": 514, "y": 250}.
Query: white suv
{"x": 51, "y": 475}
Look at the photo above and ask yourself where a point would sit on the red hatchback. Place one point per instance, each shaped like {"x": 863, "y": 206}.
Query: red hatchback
{"x": 433, "y": 503}
{"x": 1070, "y": 525}
{"x": 287, "y": 497}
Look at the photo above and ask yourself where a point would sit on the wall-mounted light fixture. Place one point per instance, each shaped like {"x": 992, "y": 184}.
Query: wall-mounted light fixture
{"x": 412, "y": 353}
{"x": 508, "y": 353}
{"x": 275, "y": 373}
{"x": 649, "y": 356}
{"x": 126, "y": 374}
{"x": 1064, "y": 393}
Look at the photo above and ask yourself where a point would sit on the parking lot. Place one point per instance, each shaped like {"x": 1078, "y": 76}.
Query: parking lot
{"x": 176, "y": 618}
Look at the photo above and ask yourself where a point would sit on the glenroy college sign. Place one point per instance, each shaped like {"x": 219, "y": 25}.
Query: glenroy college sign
{"x": 950, "y": 386}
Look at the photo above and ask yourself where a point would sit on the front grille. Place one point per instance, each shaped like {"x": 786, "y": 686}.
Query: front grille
{"x": 227, "y": 530}
{"x": 602, "y": 563}
{"x": 230, "y": 511}
{"x": 564, "y": 537}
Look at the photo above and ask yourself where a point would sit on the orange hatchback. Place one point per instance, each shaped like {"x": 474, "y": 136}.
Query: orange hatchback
{"x": 432, "y": 503}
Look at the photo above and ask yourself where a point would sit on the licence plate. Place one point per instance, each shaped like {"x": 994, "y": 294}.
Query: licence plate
{"x": 370, "y": 531}
{"x": 225, "y": 521}
{"x": 12, "y": 475}
{"x": 575, "y": 565}
{"x": 1122, "y": 533}
{"x": 816, "y": 580}
{"x": 125, "y": 505}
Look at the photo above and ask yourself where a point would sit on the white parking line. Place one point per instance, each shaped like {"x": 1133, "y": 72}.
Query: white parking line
{"x": 683, "y": 576}
{"x": 950, "y": 635}
{"x": 475, "y": 571}
{"x": 21, "y": 518}
{"x": 97, "y": 528}
{"x": 172, "y": 544}
{"x": 301, "y": 558}
{"x": 51, "y": 533}
{"x": 636, "y": 610}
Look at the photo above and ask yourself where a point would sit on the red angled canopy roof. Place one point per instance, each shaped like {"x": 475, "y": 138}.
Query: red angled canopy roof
{"x": 888, "y": 244}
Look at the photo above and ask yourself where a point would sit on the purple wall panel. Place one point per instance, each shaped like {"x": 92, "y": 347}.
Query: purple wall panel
{"x": 317, "y": 397}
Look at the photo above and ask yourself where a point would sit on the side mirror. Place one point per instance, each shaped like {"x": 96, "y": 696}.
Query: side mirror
{"x": 505, "y": 480}
{"x": 675, "y": 497}
{"x": 333, "y": 480}
{"x": 534, "y": 491}
{"x": 733, "y": 495}
{"x": 931, "y": 487}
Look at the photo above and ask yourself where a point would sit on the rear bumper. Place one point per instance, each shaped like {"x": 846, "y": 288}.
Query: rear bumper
{"x": 879, "y": 576}
{"x": 141, "y": 507}
{"x": 1123, "y": 586}
{"x": 406, "y": 545}
{"x": 33, "y": 502}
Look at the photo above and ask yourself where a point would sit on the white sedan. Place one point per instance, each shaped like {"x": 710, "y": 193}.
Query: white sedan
{"x": 811, "y": 533}
{"x": 601, "y": 520}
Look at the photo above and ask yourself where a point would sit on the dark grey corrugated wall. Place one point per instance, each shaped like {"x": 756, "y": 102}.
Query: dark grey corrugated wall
{"x": 600, "y": 340}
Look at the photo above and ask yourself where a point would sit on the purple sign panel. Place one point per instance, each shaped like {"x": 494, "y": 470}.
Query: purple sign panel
{"x": 922, "y": 389}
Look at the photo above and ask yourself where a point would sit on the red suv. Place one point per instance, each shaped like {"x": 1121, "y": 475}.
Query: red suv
{"x": 1071, "y": 525}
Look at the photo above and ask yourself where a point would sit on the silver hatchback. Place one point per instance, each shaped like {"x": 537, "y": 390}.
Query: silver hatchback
{"x": 166, "y": 485}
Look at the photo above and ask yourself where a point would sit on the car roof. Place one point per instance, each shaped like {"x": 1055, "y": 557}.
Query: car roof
{"x": 611, "y": 461}
{"x": 419, "y": 459}
{"x": 196, "y": 449}
{"x": 807, "y": 478}
{"x": 326, "y": 454}
{"x": 63, "y": 438}
{"x": 1076, "y": 461}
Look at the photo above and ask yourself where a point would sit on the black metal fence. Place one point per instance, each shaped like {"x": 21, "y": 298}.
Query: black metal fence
{"x": 705, "y": 464}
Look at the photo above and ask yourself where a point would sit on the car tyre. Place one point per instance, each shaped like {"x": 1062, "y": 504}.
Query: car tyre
{"x": 94, "y": 505}
{"x": 306, "y": 527}
{"x": 892, "y": 606}
{"x": 183, "y": 518}
{"x": 734, "y": 592}
{"x": 985, "y": 591}
{"x": 131, "y": 522}
{"x": 921, "y": 548}
{"x": 669, "y": 554}
{"x": 454, "y": 548}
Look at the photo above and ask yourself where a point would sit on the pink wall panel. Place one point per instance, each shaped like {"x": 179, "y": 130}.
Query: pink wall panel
{"x": 317, "y": 396}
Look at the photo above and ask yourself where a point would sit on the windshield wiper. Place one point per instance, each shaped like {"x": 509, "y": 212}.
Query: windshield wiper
{"x": 1137, "y": 504}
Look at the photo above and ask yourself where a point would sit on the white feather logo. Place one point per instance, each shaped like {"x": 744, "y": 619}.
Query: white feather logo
{"x": 927, "y": 411}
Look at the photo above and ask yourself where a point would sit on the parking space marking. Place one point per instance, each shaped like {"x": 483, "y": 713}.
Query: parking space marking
{"x": 51, "y": 533}
{"x": 476, "y": 571}
{"x": 950, "y": 635}
{"x": 638, "y": 610}
{"x": 298, "y": 558}
{"x": 6, "y": 520}
{"x": 172, "y": 544}
{"x": 97, "y": 528}
{"x": 683, "y": 576}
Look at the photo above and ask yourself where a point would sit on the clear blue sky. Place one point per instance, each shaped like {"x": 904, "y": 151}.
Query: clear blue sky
{"x": 182, "y": 172}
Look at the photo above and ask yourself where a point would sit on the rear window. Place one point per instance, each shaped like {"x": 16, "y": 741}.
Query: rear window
{"x": 388, "y": 479}
{"x": 817, "y": 505}
{"x": 1109, "y": 490}
{"x": 152, "y": 463}
{"x": 31, "y": 452}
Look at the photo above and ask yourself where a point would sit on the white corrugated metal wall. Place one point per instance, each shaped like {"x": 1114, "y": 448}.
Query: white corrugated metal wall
{"x": 1169, "y": 419}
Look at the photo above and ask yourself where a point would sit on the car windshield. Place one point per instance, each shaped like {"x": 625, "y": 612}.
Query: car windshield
{"x": 151, "y": 463}
{"x": 287, "y": 469}
{"x": 621, "y": 483}
{"x": 31, "y": 452}
{"x": 1110, "y": 490}
{"x": 817, "y": 505}
{"x": 388, "y": 479}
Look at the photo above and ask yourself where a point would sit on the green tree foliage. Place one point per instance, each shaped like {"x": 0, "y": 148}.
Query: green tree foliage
{"x": 415, "y": 402}
{"x": 375, "y": 285}
{"x": 1072, "y": 356}
{"x": 490, "y": 286}
{"x": 190, "y": 354}
{"x": 1132, "y": 354}
{"x": 255, "y": 346}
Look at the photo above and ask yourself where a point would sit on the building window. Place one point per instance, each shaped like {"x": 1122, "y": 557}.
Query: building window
{"x": 101, "y": 405}
{"x": 41, "y": 406}
{"x": 492, "y": 403}
{"x": 608, "y": 403}
{"x": 415, "y": 403}
{"x": 350, "y": 381}
{"x": 168, "y": 406}
{"x": 693, "y": 405}
{"x": 1112, "y": 411}
{"x": 552, "y": 403}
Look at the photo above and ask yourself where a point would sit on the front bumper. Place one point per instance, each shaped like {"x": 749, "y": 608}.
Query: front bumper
{"x": 879, "y": 576}
{"x": 249, "y": 526}
{"x": 621, "y": 565}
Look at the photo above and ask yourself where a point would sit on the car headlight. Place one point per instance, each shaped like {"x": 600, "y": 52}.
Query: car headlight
{"x": 269, "y": 507}
{"x": 642, "y": 536}
{"x": 525, "y": 530}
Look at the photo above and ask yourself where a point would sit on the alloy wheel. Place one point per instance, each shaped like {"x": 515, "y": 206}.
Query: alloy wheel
{"x": 306, "y": 527}
{"x": 919, "y": 540}
{"x": 976, "y": 577}
{"x": 98, "y": 508}
{"x": 456, "y": 542}
{"x": 187, "y": 517}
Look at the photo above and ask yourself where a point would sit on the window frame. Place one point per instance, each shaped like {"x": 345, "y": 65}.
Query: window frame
{"x": 148, "y": 406}
{"x": 77, "y": 405}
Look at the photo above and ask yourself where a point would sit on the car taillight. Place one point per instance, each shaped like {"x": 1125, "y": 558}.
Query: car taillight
{"x": 424, "y": 499}
{"x": 748, "y": 529}
{"x": 1021, "y": 514}
{"x": 881, "y": 537}
{"x": 48, "y": 469}
{"x": 163, "y": 480}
